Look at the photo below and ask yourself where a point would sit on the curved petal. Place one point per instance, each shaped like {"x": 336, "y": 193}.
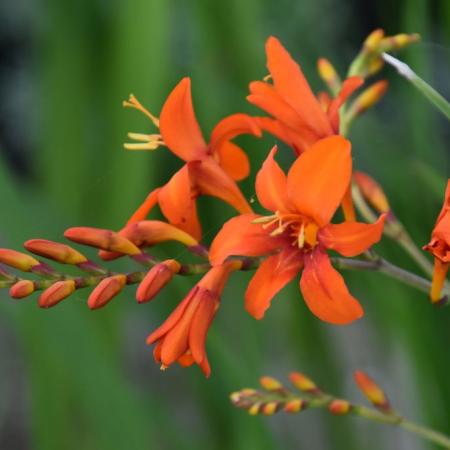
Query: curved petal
{"x": 212, "y": 180}
{"x": 318, "y": 179}
{"x": 325, "y": 292}
{"x": 351, "y": 238}
{"x": 272, "y": 275}
{"x": 239, "y": 236}
{"x": 290, "y": 82}
{"x": 271, "y": 185}
{"x": 233, "y": 160}
{"x": 178, "y": 124}
{"x": 232, "y": 126}
{"x": 143, "y": 210}
{"x": 175, "y": 197}
{"x": 348, "y": 87}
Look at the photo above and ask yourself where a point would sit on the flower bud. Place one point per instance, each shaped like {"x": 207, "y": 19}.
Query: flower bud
{"x": 369, "y": 97}
{"x": 106, "y": 290}
{"x": 295, "y": 406}
{"x": 20, "y": 261}
{"x": 56, "y": 293}
{"x": 328, "y": 74}
{"x": 102, "y": 239}
{"x": 270, "y": 384}
{"x": 21, "y": 289}
{"x": 372, "y": 192}
{"x": 339, "y": 407}
{"x": 157, "y": 277}
{"x": 372, "y": 41}
{"x": 255, "y": 409}
{"x": 61, "y": 253}
{"x": 270, "y": 408}
{"x": 303, "y": 383}
{"x": 371, "y": 390}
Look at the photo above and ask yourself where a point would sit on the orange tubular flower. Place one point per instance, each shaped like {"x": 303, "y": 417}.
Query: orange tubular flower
{"x": 298, "y": 117}
{"x": 299, "y": 232}
{"x": 439, "y": 247}
{"x": 182, "y": 336}
{"x": 211, "y": 168}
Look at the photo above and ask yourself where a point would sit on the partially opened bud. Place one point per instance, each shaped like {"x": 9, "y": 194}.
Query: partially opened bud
{"x": 102, "y": 239}
{"x": 106, "y": 290}
{"x": 339, "y": 407}
{"x": 157, "y": 277}
{"x": 61, "y": 253}
{"x": 56, "y": 293}
{"x": 372, "y": 192}
{"x": 18, "y": 260}
{"x": 303, "y": 383}
{"x": 371, "y": 390}
{"x": 270, "y": 384}
{"x": 21, "y": 289}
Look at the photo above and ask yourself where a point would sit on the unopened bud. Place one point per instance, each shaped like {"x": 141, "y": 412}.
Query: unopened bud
{"x": 270, "y": 408}
{"x": 371, "y": 390}
{"x": 303, "y": 383}
{"x": 106, "y": 290}
{"x": 372, "y": 192}
{"x": 21, "y": 289}
{"x": 294, "y": 406}
{"x": 20, "y": 261}
{"x": 56, "y": 293}
{"x": 328, "y": 74}
{"x": 102, "y": 239}
{"x": 56, "y": 251}
{"x": 373, "y": 40}
{"x": 339, "y": 407}
{"x": 270, "y": 384}
{"x": 255, "y": 409}
{"x": 369, "y": 97}
{"x": 157, "y": 277}
{"x": 398, "y": 41}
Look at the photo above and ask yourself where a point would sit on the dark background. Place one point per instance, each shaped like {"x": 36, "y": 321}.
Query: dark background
{"x": 75, "y": 379}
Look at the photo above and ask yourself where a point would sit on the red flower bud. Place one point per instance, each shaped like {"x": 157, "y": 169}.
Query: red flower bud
{"x": 339, "y": 407}
{"x": 106, "y": 290}
{"x": 56, "y": 293}
{"x": 21, "y": 289}
{"x": 18, "y": 260}
{"x": 54, "y": 250}
{"x": 371, "y": 390}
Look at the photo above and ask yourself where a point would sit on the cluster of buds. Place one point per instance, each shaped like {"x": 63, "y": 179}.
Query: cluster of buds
{"x": 294, "y": 236}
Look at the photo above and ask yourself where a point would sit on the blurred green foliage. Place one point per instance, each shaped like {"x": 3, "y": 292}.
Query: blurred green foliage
{"x": 75, "y": 379}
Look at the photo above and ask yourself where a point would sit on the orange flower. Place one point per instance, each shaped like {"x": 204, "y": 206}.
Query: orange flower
{"x": 211, "y": 168}
{"x": 182, "y": 336}
{"x": 299, "y": 232}
{"x": 298, "y": 117}
{"x": 439, "y": 247}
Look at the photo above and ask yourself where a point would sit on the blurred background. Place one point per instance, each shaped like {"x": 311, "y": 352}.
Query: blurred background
{"x": 75, "y": 379}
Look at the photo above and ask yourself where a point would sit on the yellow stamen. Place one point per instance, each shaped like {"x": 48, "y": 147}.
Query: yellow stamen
{"x": 146, "y": 141}
{"x": 265, "y": 219}
{"x": 301, "y": 237}
{"x": 133, "y": 102}
{"x": 267, "y": 77}
{"x": 163, "y": 367}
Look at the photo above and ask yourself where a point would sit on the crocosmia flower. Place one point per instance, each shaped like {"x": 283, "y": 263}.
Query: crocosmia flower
{"x": 211, "y": 168}
{"x": 296, "y": 236}
{"x": 299, "y": 119}
{"x": 439, "y": 247}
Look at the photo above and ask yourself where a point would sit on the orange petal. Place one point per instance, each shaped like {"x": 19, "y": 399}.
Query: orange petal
{"x": 318, "y": 179}
{"x": 233, "y": 160}
{"x": 175, "y": 197}
{"x": 348, "y": 87}
{"x": 439, "y": 277}
{"x": 272, "y": 275}
{"x": 271, "y": 185}
{"x": 325, "y": 292}
{"x": 239, "y": 236}
{"x": 142, "y": 212}
{"x": 201, "y": 322}
{"x": 352, "y": 238}
{"x": 232, "y": 126}
{"x": 178, "y": 124}
{"x": 212, "y": 180}
{"x": 290, "y": 82}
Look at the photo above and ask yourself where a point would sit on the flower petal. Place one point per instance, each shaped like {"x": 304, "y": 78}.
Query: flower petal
{"x": 318, "y": 179}
{"x": 233, "y": 160}
{"x": 351, "y": 238}
{"x": 212, "y": 180}
{"x": 272, "y": 275}
{"x": 178, "y": 124}
{"x": 325, "y": 292}
{"x": 239, "y": 236}
{"x": 232, "y": 126}
{"x": 271, "y": 185}
{"x": 290, "y": 82}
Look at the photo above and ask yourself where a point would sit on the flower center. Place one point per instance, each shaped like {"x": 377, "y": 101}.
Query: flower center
{"x": 300, "y": 229}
